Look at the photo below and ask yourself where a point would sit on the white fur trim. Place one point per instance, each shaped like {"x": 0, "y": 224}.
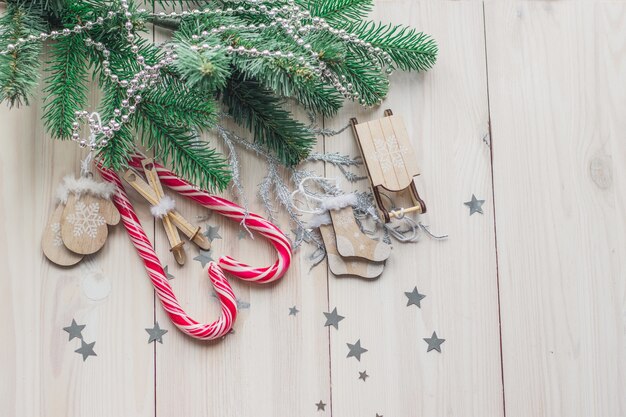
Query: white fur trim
{"x": 84, "y": 185}
{"x": 166, "y": 205}
{"x": 318, "y": 220}
{"x": 339, "y": 202}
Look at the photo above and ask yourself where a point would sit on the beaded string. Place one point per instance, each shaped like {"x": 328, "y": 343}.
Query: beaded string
{"x": 288, "y": 17}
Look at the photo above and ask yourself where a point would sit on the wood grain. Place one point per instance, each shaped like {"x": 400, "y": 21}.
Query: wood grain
{"x": 557, "y": 93}
{"x": 549, "y": 75}
{"x": 108, "y": 292}
{"x": 274, "y": 364}
{"x": 446, "y": 115}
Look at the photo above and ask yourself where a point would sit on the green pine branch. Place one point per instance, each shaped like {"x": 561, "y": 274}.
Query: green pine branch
{"x": 122, "y": 146}
{"x": 338, "y": 10}
{"x": 180, "y": 147}
{"x": 253, "y": 106}
{"x": 409, "y": 49}
{"x": 66, "y": 85}
{"x": 181, "y": 106}
{"x": 19, "y": 69}
{"x": 203, "y": 70}
{"x": 286, "y": 80}
{"x": 366, "y": 80}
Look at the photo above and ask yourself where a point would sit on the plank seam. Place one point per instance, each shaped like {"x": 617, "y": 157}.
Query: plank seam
{"x": 493, "y": 206}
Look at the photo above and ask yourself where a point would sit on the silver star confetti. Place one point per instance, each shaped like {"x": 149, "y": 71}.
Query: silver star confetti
{"x": 475, "y": 205}
{"x": 293, "y": 311}
{"x": 379, "y": 415}
{"x": 240, "y": 303}
{"x": 75, "y": 330}
{"x": 434, "y": 343}
{"x": 333, "y": 319}
{"x": 414, "y": 298}
{"x": 356, "y": 350}
{"x": 321, "y": 406}
{"x": 212, "y": 233}
{"x": 204, "y": 257}
{"x": 242, "y": 234}
{"x": 167, "y": 273}
{"x": 86, "y": 349}
{"x": 156, "y": 333}
{"x": 204, "y": 217}
{"x": 363, "y": 375}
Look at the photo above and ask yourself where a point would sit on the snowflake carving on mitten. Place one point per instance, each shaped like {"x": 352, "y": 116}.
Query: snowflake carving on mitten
{"x": 56, "y": 230}
{"x": 86, "y": 219}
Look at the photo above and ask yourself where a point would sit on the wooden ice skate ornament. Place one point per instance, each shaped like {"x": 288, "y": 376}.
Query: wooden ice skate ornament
{"x": 389, "y": 159}
{"x": 163, "y": 208}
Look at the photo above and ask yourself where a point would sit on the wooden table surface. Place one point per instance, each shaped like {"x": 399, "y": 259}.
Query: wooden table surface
{"x": 526, "y": 109}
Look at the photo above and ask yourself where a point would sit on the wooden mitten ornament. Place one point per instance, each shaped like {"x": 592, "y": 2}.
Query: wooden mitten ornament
{"x": 52, "y": 243}
{"x": 88, "y": 210}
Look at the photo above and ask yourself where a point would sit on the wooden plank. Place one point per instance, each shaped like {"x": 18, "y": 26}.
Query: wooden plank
{"x": 275, "y": 364}
{"x": 447, "y": 117}
{"x": 558, "y": 96}
{"x": 108, "y": 292}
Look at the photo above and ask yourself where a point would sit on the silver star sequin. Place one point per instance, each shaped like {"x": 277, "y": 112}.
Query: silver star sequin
{"x": 156, "y": 333}
{"x": 475, "y": 205}
{"x": 333, "y": 319}
{"x": 434, "y": 343}
{"x": 363, "y": 375}
{"x": 86, "y": 349}
{"x": 321, "y": 406}
{"x": 293, "y": 311}
{"x": 414, "y": 297}
{"x": 167, "y": 273}
{"x": 204, "y": 257}
{"x": 75, "y": 330}
{"x": 212, "y": 233}
{"x": 356, "y": 350}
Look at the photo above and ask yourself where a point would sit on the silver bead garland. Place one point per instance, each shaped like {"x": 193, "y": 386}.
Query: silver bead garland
{"x": 288, "y": 17}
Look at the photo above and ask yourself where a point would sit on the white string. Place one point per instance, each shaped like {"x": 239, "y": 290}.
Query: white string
{"x": 309, "y": 196}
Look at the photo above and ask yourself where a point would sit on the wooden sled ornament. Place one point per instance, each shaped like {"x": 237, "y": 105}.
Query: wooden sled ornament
{"x": 389, "y": 159}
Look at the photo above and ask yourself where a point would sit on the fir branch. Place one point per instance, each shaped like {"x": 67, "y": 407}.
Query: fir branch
{"x": 203, "y": 70}
{"x": 371, "y": 85}
{"x": 409, "y": 49}
{"x": 338, "y": 10}
{"x": 19, "y": 69}
{"x": 119, "y": 150}
{"x": 67, "y": 89}
{"x": 189, "y": 156}
{"x": 255, "y": 107}
{"x": 285, "y": 80}
{"x": 52, "y": 7}
{"x": 181, "y": 106}
{"x": 122, "y": 146}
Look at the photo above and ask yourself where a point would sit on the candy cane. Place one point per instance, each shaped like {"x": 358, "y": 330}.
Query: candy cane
{"x": 233, "y": 212}
{"x": 223, "y": 289}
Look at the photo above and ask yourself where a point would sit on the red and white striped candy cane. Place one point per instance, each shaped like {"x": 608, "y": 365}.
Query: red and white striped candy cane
{"x": 233, "y": 212}
{"x": 223, "y": 289}
{"x": 159, "y": 280}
